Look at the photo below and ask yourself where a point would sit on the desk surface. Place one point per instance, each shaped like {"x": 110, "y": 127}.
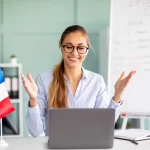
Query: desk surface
{"x": 40, "y": 143}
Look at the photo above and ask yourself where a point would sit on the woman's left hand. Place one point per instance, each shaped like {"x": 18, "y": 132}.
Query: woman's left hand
{"x": 121, "y": 84}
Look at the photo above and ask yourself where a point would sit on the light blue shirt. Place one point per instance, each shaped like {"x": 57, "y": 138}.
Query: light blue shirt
{"x": 90, "y": 93}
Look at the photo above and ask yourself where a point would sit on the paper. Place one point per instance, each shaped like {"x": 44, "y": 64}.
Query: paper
{"x": 133, "y": 134}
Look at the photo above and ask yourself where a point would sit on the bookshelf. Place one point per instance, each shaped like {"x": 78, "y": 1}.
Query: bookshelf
{"x": 13, "y": 123}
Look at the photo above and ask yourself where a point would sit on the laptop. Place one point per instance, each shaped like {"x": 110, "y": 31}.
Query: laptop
{"x": 81, "y": 128}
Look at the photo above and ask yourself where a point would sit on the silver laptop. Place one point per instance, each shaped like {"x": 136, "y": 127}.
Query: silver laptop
{"x": 81, "y": 128}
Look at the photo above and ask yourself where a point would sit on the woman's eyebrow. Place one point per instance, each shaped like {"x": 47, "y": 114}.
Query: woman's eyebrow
{"x": 69, "y": 43}
{"x": 72, "y": 44}
{"x": 81, "y": 44}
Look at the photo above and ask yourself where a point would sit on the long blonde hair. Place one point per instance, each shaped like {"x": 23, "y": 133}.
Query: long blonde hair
{"x": 58, "y": 91}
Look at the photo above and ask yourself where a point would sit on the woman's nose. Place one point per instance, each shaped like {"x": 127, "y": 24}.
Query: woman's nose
{"x": 75, "y": 52}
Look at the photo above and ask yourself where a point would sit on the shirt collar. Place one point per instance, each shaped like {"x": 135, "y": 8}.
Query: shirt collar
{"x": 84, "y": 73}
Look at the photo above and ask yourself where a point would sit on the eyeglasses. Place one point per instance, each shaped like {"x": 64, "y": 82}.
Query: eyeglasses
{"x": 70, "y": 49}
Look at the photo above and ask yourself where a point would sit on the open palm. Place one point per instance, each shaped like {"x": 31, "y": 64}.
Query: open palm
{"x": 123, "y": 82}
{"x": 30, "y": 86}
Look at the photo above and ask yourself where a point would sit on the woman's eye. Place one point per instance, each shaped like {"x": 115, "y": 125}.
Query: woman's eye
{"x": 69, "y": 47}
{"x": 81, "y": 48}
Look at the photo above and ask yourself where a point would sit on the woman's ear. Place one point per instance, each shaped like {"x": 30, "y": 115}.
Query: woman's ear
{"x": 87, "y": 52}
{"x": 60, "y": 50}
{"x": 60, "y": 45}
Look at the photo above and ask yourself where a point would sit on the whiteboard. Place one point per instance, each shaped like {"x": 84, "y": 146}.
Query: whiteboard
{"x": 129, "y": 49}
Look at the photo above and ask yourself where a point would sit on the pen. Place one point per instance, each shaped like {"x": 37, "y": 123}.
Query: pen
{"x": 134, "y": 142}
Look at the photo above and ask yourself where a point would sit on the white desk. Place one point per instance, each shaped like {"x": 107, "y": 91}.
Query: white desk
{"x": 40, "y": 143}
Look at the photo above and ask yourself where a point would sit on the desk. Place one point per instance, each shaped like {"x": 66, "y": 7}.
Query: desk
{"x": 40, "y": 143}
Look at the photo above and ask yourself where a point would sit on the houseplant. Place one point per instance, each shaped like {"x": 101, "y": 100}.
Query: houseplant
{"x": 13, "y": 59}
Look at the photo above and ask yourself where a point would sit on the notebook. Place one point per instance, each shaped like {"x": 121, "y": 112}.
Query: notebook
{"x": 132, "y": 134}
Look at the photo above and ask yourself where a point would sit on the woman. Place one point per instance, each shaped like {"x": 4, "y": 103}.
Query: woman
{"x": 69, "y": 85}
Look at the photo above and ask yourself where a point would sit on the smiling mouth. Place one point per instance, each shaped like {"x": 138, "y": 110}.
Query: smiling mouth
{"x": 73, "y": 59}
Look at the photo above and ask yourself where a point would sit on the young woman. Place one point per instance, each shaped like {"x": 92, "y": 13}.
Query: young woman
{"x": 69, "y": 85}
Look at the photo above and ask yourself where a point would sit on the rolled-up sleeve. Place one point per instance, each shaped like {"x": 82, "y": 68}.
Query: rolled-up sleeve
{"x": 36, "y": 116}
{"x": 103, "y": 101}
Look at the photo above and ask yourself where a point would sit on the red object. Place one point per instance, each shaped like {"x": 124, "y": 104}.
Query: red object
{"x": 6, "y": 107}
{"x": 123, "y": 115}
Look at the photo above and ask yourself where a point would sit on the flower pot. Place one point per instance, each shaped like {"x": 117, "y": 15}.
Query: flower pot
{"x": 13, "y": 60}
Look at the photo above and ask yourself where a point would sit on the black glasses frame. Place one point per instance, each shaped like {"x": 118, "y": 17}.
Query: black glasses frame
{"x": 74, "y": 47}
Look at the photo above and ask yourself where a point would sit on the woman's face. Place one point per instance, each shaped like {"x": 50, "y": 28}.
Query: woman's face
{"x": 73, "y": 57}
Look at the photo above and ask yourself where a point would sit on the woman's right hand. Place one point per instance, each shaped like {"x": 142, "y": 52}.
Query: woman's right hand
{"x": 30, "y": 86}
